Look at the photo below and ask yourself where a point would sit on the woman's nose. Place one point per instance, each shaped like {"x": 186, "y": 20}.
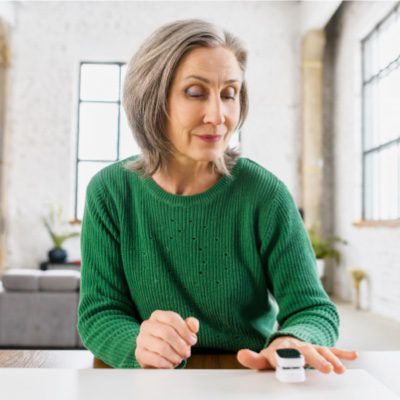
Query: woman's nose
{"x": 214, "y": 111}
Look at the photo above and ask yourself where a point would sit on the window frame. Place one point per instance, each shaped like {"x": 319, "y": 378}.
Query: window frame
{"x": 379, "y": 74}
{"x": 118, "y": 102}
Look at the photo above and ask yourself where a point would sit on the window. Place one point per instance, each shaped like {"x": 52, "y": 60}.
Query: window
{"x": 381, "y": 120}
{"x": 104, "y": 135}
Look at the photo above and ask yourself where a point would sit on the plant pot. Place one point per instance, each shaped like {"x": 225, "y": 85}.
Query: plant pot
{"x": 57, "y": 255}
{"x": 321, "y": 267}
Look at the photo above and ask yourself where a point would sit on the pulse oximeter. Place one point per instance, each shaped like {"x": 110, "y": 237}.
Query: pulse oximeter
{"x": 289, "y": 366}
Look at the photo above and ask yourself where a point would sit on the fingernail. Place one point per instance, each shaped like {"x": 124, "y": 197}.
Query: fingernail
{"x": 328, "y": 366}
{"x": 343, "y": 369}
{"x": 192, "y": 339}
{"x": 187, "y": 355}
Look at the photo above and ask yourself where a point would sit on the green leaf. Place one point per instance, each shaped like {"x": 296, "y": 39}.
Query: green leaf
{"x": 58, "y": 238}
{"x": 325, "y": 248}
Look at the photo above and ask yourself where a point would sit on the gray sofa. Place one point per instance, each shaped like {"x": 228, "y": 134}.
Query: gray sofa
{"x": 38, "y": 309}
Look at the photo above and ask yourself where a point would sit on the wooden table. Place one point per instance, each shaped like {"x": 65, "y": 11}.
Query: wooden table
{"x": 84, "y": 359}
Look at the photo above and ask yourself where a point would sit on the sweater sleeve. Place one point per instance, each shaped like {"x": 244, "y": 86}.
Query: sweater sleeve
{"x": 305, "y": 310}
{"x": 106, "y": 321}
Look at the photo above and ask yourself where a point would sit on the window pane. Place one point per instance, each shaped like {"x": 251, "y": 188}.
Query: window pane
{"x": 123, "y": 73}
{"x": 371, "y": 199}
{"x": 381, "y": 121}
{"x": 100, "y": 82}
{"x": 98, "y": 129}
{"x": 86, "y": 170}
{"x": 371, "y": 131}
{"x": 388, "y": 42}
{"x": 127, "y": 143}
{"x": 389, "y": 107}
{"x": 388, "y": 181}
{"x": 370, "y": 61}
{"x": 382, "y": 184}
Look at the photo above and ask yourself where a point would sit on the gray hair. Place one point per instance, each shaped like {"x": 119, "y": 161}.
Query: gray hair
{"x": 147, "y": 82}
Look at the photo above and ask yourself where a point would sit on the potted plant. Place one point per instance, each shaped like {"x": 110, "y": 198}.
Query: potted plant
{"x": 56, "y": 228}
{"x": 357, "y": 275}
{"x": 324, "y": 249}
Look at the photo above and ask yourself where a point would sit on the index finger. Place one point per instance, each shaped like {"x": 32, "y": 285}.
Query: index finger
{"x": 175, "y": 321}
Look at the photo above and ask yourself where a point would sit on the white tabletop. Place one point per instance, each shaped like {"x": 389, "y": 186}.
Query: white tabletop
{"x": 383, "y": 365}
{"x": 73, "y": 384}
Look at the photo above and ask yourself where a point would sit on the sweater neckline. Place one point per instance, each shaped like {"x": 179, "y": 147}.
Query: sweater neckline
{"x": 223, "y": 182}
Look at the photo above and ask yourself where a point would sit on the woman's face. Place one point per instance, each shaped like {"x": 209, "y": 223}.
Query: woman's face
{"x": 203, "y": 100}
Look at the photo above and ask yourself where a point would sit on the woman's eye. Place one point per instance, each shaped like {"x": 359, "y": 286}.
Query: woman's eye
{"x": 194, "y": 93}
{"x": 230, "y": 95}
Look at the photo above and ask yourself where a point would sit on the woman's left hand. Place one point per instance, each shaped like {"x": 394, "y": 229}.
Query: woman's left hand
{"x": 324, "y": 359}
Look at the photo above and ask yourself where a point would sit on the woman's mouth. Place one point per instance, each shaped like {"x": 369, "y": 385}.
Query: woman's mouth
{"x": 210, "y": 138}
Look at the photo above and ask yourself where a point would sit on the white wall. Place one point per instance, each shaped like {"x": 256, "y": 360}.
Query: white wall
{"x": 375, "y": 249}
{"x": 48, "y": 42}
{"x": 7, "y": 11}
{"x": 316, "y": 14}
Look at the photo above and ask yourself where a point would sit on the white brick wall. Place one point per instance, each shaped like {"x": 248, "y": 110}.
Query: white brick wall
{"x": 49, "y": 40}
{"x": 376, "y": 250}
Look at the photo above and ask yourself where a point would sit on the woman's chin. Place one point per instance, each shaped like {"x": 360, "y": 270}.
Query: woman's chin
{"x": 208, "y": 156}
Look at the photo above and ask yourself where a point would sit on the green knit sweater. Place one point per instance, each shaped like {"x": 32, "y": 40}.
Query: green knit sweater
{"x": 236, "y": 257}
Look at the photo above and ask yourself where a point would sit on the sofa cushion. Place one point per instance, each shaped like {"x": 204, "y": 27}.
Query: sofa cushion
{"x": 38, "y": 320}
{"x": 59, "y": 280}
{"x": 22, "y": 280}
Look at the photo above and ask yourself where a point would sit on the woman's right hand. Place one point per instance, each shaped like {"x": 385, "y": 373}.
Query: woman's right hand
{"x": 165, "y": 339}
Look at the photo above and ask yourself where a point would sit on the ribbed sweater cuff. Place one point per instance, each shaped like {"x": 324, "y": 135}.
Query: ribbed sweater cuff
{"x": 182, "y": 365}
{"x": 305, "y": 333}
{"x": 118, "y": 349}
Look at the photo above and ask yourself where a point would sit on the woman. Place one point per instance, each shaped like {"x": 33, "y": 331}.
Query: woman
{"x": 189, "y": 245}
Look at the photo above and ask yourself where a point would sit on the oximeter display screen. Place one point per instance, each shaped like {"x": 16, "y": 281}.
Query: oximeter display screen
{"x": 288, "y": 353}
